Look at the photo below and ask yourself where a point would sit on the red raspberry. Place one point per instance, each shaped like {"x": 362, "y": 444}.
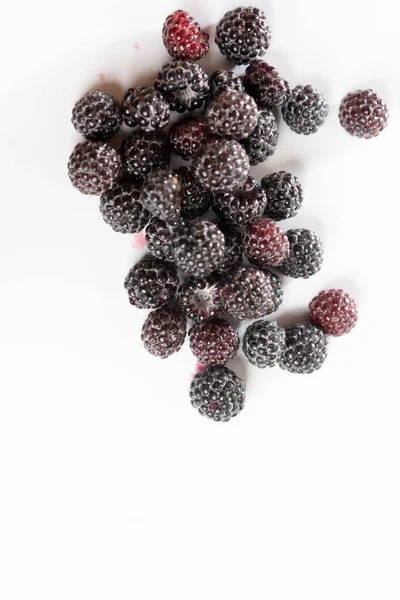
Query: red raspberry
{"x": 334, "y": 311}
{"x": 265, "y": 244}
{"x": 188, "y": 136}
{"x": 183, "y": 37}
{"x": 214, "y": 343}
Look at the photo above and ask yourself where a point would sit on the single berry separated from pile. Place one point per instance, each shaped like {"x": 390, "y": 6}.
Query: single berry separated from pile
{"x": 214, "y": 343}
{"x": 121, "y": 208}
{"x": 145, "y": 109}
{"x": 284, "y": 195}
{"x": 264, "y": 83}
{"x": 243, "y": 34}
{"x": 264, "y": 343}
{"x": 232, "y": 114}
{"x": 305, "y": 350}
{"x": 199, "y": 248}
{"x": 217, "y": 393}
{"x": 164, "y": 332}
{"x": 142, "y": 152}
{"x": 161, "y": 195}
{"x": 97, "y": 116}
{"x": 363, "y": 114}
{"x": 306, "y": 110}
{"x": 333, "y": 311}
{"x": 151, "y": 283}
{"x": 94, "y": 167}
{"x": 265, "y": 244}
{"x": 305, "y": 256}
{"x": 222, "y": 165}
{"x": 183, "y": 37}
{"x": 184, "y": 85}
{"x": 200, "y": 299}
{"x": 241, "y": 206}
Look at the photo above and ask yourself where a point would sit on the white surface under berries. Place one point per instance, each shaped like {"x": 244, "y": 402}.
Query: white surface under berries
{"x": 111, "y": 486}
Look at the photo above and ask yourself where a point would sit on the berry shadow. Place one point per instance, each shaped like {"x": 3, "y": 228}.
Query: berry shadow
{"x": 291, "y": 317}
{"x": 239, "y": 366}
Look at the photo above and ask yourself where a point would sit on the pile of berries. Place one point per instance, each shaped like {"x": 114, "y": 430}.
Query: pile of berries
{"x": 213, "y": 243}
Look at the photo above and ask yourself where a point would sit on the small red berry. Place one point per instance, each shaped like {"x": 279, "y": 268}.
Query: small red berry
{"x": 334, "y": 311}
{"x": 183, "y": 37}
{"x": 265, "y": 244}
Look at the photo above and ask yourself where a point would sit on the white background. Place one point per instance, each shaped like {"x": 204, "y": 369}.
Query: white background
{"x": 111, "y": 485}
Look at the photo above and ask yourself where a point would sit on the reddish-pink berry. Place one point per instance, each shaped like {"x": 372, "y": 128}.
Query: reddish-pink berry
{"x": 265, "y": 244}
{"x": 183, "y": 37}
{"x": 188, "y": 137}
{"x": 333, "y": 311}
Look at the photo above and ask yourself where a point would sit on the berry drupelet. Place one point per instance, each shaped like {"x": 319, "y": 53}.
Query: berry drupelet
{"x": 305, "y": 350}
{"x": 224, "y": 81}
{"x": 142, "y": 152}
{"x": 264, "y": 83}
{"x": 97, "y": 116}
{"x": 158, "y": 239}
{"x": 200, "y": 299}
{"x": 305, "y": 255}
{"x": 183, "y": 37}
{"x": 233, "y": 250}
{"x": 264, "y": 343}
{"x": 241, "y": 206}
{"x": 232, "y": 114}
{"x": 214, "y": 343}
{"x": 145, "y": 109}
{"x": 164, "y": 332}
{"x": 94, "y": 167}
{"x": 333, "y": 311}
{"x": 248, "y": 294}
{"x": 184, "y": 84}
{"x": 265, "y": 244}
{"x": 262, "y": 141}
{"x": 306, "y": 110}
{"x": 121, "y": 208}
{"x": 188, "y": 137}
{"x": 195, "y": 200}
{"x": 363, "y": 114}
{"x": 243, "y": 34}
{"x": 217, "y": 393}
{"x": 199, "y": 248}
{"x": 151, "y": 283}
{"x": 222, "y": 165}
{"x": 284, "y": 195}
{"x": 161, "y": 195}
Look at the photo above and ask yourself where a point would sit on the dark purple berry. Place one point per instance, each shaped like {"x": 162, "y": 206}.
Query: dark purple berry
{"x": 158, "y": 239}
{"x": 306, "y": 110}
{"x": 264, "y": 343}
{"x": 121, "y": 208}
{"x": 161, "y": 195}
{"x": 144, "y": 152}
{"x": 232, "y": 114}
{"x": 200, "y": 299}
{"x": 284, "y": 195}
{"x": 265, "y": 244}
{"x": 248, "y": 294}
{"x": 214, "y": 343}
{"x": 188, "y": 137}
{"x": 305, "y": 350}
{"x": 264, "y": 83}
{"x": 94, "y": 167}
{"x": 305, "y": 255}
{"x": 184, "y": 85}
{"x": 164, "y": 332}
{"x": 199, "y": 248}
{"x": 222, "y": 165}
{"x": 241, "y": 206}
{"x": 263, "y": 140}
{"x": 145, "y": 109}
{"x": 195, "y": 200}
{"x": 363, "y": 114}
{"x": 217, "y": 393}
{"x": 97, "y": 116}
{"x": 151, "y": 283}
{"x": 243, "y": 34}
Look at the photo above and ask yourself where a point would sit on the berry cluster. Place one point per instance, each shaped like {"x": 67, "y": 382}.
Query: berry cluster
{"x": 202, "y": 264}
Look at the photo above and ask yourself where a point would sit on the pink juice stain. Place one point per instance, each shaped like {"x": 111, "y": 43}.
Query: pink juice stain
{"x": 138, "y": 240}
{"x": 101, "y": 76}
{"x": 136, "y": 46}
